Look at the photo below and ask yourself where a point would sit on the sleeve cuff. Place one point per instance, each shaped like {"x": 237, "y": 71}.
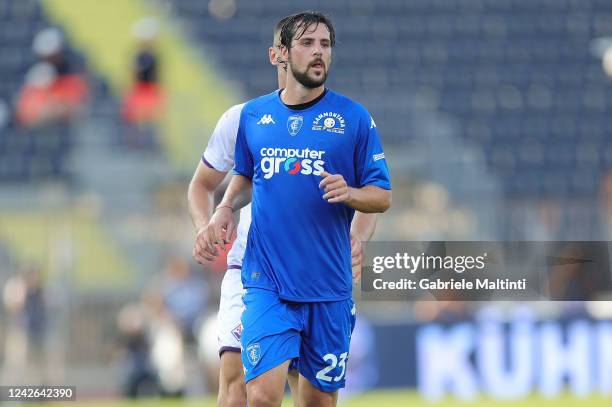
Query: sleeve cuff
{"x": 379, "y": 183}
{"x": 207, "y": 163}
{"x": 238, "y": 172}
{"x": 210, "y": 163}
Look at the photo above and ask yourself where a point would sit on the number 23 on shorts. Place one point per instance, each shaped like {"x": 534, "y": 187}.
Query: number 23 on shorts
{"x": 333, "y": 363}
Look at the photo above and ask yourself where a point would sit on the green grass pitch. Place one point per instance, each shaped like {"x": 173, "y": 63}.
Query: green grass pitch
{"x": 372, "y": 399}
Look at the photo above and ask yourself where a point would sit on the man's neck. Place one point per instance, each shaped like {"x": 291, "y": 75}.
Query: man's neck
{"x": 282, "y": 81}
{"x": 296, "y": 94}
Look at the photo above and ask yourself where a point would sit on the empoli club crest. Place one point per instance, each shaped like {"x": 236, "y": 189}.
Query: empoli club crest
{"x": 294, "y": 124}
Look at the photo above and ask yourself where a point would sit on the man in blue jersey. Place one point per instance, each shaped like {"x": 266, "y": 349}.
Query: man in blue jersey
{"x": 218, "y": 158}
{"x": 311, "y": 157}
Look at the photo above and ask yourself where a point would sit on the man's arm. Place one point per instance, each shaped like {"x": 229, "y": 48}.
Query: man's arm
{"x": 367, "y": 199}
{"x": 218, "y": 158}
{"x": 200, "y": 195}
{"x": 363, "y": 226}
{"x": 238, "y": 193}
{"x": 200, "y": 198}
{"x": 222, "y": 224}
{"x": 362, "y": 229}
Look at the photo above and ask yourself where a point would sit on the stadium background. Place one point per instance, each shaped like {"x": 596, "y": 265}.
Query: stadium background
{"x": 495, "y": 119}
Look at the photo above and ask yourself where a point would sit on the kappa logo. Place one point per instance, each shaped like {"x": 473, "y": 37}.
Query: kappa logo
{"x": 372, "y": 123}
{"x": 329, "y": 121}
{"x": 266, "y": 119}
{"x": 253, "y": 353}
{"x": 294, "y": 124}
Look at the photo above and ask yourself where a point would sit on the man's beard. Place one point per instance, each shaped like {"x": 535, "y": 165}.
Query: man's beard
{"x": 307, "y": 81}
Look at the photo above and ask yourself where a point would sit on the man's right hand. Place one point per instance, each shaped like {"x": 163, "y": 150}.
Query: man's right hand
{"x": 218, "y": 232}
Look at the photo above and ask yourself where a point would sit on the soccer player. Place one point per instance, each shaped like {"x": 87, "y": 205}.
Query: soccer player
{"x": 218, "y": 158}
{"x": 310, "y": 157}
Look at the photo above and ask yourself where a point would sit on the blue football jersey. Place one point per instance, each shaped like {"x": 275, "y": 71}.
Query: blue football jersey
{"x": 299, "y": 244}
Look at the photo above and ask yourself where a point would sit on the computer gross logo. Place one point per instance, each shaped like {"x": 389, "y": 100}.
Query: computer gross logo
{"x": 291, "y": 160}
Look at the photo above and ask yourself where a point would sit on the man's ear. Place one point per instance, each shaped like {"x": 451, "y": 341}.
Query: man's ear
{"x": 272, "y": 55}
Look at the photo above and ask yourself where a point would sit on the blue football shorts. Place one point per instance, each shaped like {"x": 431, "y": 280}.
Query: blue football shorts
{"x": 315, "y": 336}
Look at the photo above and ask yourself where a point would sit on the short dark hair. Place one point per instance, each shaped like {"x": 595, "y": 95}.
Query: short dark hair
{"x": 296, "y": 25}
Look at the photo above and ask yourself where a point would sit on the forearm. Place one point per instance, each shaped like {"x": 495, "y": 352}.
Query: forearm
{"x": 369, "y": 199}
{"x": 200, "y": 202}
{"x": 201, "y": 194}
{"x": 238, "y": 193}
{"x": 363, "y": 226}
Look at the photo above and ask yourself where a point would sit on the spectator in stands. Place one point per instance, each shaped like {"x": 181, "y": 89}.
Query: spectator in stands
{"x": 143, "y": 104}
{"x": 176, "y": 301}
{"x": 168, "y": 355}
{"x": 208, "y": 352}
{"x": 35, "y": 106}
{"x": 25, "y": 304}
{"x": 53, "y": 91}
{"x": 15, "y": 339}
{"x": 140, "y": 376}
{"x": 183, "y": 294}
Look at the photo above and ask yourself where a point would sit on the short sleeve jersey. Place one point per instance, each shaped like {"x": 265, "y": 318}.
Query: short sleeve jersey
{"x": 298, "y": 244}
